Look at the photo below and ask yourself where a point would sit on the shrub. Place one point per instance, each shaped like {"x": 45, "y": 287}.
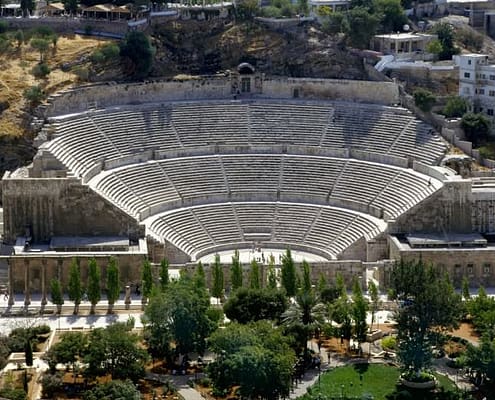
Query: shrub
{"x": 476, "y": 127}
{"x": 456, "y": 107}
{"x": 43, "y": 31}
{"x": 3, "y": 26}
{"x": 41, "y": 329}
{"x": 52, "y": 384}
{"x": 82, "y": 73}
{"x": 110, "y": 51}
{"x": 97, "y": 57}
{"x": 40, "y": 70}
{"x": 34, "y": 95}
{"x": 424, "y": 99}
{"x": 389, "y": 343}
{"x": 13, "y": 394}
{"x": 470, "y": 39}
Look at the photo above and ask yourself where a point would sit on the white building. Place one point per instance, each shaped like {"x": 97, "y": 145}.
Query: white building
{"x": 334, "y": 5}
{"x": 477, "y": 82}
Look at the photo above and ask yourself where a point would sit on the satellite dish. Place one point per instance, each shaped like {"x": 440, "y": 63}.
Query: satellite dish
{"x": 405, "y": 28}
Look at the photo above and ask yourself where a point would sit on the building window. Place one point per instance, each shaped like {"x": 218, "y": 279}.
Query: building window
{"x": 483, "y": 76}
{"x": 481, "y": 91}
{"x": 470, "y": 268}
{"x": 492, "y": 77}
{"x": 486, "y": 268}
{"x": 467, "y": 75}
{"x": 491, "y": 93}
{"x": 469, "y": 62}
{"x": 466, "y": 91}
{"x": 489, "y": 111}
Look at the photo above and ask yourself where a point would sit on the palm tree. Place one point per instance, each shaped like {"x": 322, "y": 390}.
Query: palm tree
{"x": 305, "y": 316}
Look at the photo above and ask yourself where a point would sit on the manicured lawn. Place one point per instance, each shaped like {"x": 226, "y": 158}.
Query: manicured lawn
{"x": 377, "y": 380}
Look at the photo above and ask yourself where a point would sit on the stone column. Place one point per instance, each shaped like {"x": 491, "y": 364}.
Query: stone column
{"x": 127, "y": 300}
{"x": 27, "y": 289}
{"x": 11, "y": 283}
{"x": 43, "y": 283}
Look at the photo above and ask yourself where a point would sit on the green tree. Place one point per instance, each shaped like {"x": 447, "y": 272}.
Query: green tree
{"x": 75, "y": 285}
{"x": 359, "y": 311}
{"x": 481, "y": 360}
{"x": 456, "y": 107}
{"x": 482, "y": 311}
{"x": 288, "y": 274}
{"x": 71, "y": 6}
{"x": 164, "y": 279}
{"x": 445, "y": 33}
{"x": 476, "y": 127}
{"x": 272, "y": 274}
{"x": 113, "y": 390}
{"x": 136, "y": 49}
{"x": 147, "y": 281}
{"x": 69, "y": 350}
{"x": 254, "y": 275}
{"x": 428, "y": 304}
{"x": 34, "y": 94}
{"x": 115, "y": 350}
{"x": 28, "y": 353}
{"x": 256, "y": 357}
{"x": 465, "y": 289}
{"x": 200, "y": 276}
{"x": 361, "y": 27}
{"x": 19, "y": 38}
{"x": 248, "y": 305}
{"x": 113, "y": 283}
{"x": 94, "y": 293}
{"x": 218, "y": 279}
{"x": 236, "y": 272}
{"x": 392, "y": 15}
{"x": 246, "y": 9}
{"x": 424, "y": 99}
{"x": 179, "y": 315}
{"x": 434, "y": 47}
{"x": 41, "y": 45}
{"x": 56, "y": 293}
{"x": 374, "y": 301}
{"x": 27, "y": 7}
{"x": 306, "y": 274}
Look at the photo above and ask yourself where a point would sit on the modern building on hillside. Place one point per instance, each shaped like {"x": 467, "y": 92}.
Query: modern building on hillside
{"x": 407, "y": 44}
{"x": 477, "y": 82}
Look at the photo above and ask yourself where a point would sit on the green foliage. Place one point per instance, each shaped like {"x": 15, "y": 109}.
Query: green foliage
{"x": 51, "y": 384}
{"x": 106, "y": 53}
{"x": 147, "y": 279}
{"x": 288, "y": 274}
{"x": 13, "y": 394}
{"x": 34, "y": 95}
{"x": 392, "y": 16}
{"x": 179, "y": 315}
{"x": 424, "y": 99}
{"x": 246, "y": 9}
{"x": 137, "y": 51}
{"x": 476, "y": 127}
{"x": 335, "y": 22}
{"x": 255, "y": 357}
{"x": 75, "y": 285}
{"x": 70, "y": 6}
{"x": 27, "y": 7}
{"x": 362, "y": 26}
{"x": 41, "y": 45}
{"x": 164, "y": 279}
{"x": 282, "y": 8}
{"x": 445, "y": 33}
{"x": 434, "y": 47}
{"x": 359, "y": 310}
{"x": 56, "y": 292}
{"x": 5, "y": 44}
{"x": 272, "y": 274}
{"x": 94, "y": 276}
{"x": 218, "y": 278}
{"x": 481, "y": 359}
{"x": 40, "y": 71}
{"x": 374, "y": 300}
{"x": 247, "y": 305}
{"x": 69, "y": 350}
{"x": 389, "y": 343}
{"x": 4, "y": 26}
{"x": 200, "y": 277}
{"x": 482, "y": 311}
{"x": 456, "y": 107}
{"x": 465, "y": 289}
{"x": 118, "y": 390}
{"x": 28, "y": 353}
{"x": 116, "y": 351}
{"x": 429, "y": 303}
{"x": 236, "y": 272}
{"x": 113, "y": 281}
{"x": 254, "y": 276}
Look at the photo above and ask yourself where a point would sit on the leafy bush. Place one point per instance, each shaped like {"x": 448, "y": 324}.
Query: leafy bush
{"x": 82, "y": 73}
{"x": 456, "y": 107}
{"x": 476, "y": 127}
{"x": 3, "y": 26}
{"x": 470, "y": 39}
{"x": 42, "y": 31}
{"x": 5, "y": 44}
{"x": 41, "y": 329}
{"x": 40, "y": 70}
{"x": 110, "y": 51}
{"x": 424, "y": 99}
{"x": 13, "y": 394}
{"x": 34, "y": 95}
{"x": 389, "y": 343}
{"x": 52, "y": 384}
{"x": 412, "y": 376}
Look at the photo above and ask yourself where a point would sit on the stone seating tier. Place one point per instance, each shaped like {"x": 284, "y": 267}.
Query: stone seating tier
{"x": 82, "y": 141}
{"x": 323, "y": 230}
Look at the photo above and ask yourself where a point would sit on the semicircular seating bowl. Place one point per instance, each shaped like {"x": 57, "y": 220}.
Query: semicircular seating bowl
{"x": 203, "y": 201}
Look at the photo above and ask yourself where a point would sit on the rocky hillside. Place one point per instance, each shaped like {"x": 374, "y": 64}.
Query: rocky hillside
{"x": 194, "y": 47}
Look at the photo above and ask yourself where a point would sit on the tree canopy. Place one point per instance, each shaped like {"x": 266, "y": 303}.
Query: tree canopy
{"x": 137, "y": 50}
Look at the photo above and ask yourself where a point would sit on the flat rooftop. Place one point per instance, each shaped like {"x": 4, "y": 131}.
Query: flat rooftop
{"x": 405, "y": 36}
{"x": 428, "y": 240}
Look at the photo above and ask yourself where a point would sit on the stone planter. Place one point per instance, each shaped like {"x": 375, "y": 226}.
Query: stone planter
{"x": 419, "y": 385}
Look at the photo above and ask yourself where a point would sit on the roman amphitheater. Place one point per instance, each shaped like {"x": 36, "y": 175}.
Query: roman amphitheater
{"x": 335, "y": 170}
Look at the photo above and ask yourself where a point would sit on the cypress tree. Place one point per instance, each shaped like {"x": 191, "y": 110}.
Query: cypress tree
{"x": 113, "y": 283}
{"x": 236, "y": 272}
{"x": 272, "y": 275}
{"x": 56, "y": 294}
{"x": 254, "y": 275}
{"x": 218, "y": 279}
{"x": 289, "y": 276}
{"x": 28, "y": 353}
{"x": 147, "y": 278}
{"x": 200, "y": 276}
{"x": 75, "y": 285}
{"x": 164, "y": 279}
{"x": 94, "y": 276}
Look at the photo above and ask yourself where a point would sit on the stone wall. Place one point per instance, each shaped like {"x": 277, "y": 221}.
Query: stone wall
{"x": 332, "y": 89}
{"x": 62, "y": 207}
{"x": 473, "y": 263}
{"x": 446, "y": 210}
{"x": 221, "y": 87}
